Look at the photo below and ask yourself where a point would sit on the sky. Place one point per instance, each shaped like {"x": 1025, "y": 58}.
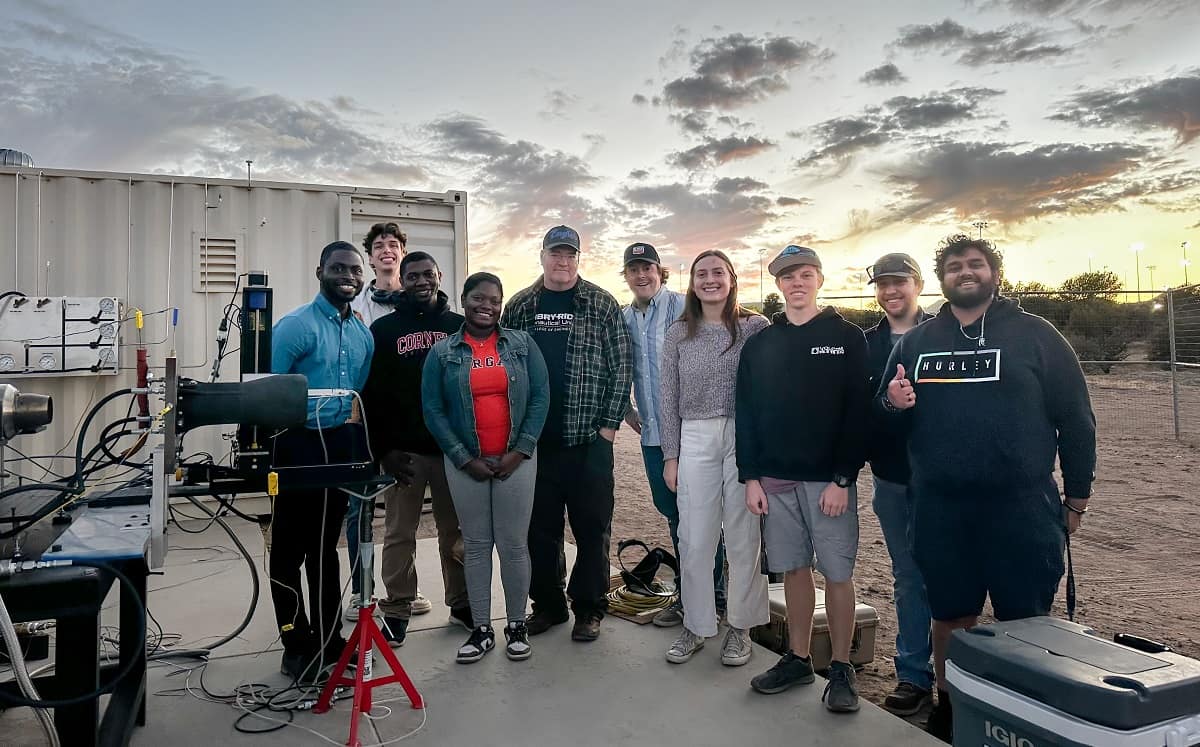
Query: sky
{"x": 1070, "y": 127}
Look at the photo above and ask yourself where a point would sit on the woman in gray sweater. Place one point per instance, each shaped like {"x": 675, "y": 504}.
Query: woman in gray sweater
{"x": 699, "y": 370}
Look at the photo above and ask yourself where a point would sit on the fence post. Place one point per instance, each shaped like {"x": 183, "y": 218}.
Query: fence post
{"x": 1174, "y": 368}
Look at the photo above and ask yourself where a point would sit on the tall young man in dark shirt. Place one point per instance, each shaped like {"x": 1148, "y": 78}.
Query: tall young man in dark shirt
{"x": 578, "y": 327}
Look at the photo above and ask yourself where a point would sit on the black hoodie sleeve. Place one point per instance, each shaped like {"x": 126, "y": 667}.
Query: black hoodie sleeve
{"x": 746, "y": 435}
{"x": 879, "y": 396}
{"x": 851, "y": 449}
{"x": 1070, "y": 409}
{"x": 376, "y": 395}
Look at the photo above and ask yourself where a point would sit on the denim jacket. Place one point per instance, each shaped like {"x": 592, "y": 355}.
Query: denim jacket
{"x": 449, "y": 408}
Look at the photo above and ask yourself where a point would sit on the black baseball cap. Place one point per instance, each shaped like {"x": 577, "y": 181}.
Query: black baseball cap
{"x": 560, "y": 236}
{"x": 791, "y": 256}
{"x": 895, "y": 264}
{"x": 642, "y": 252}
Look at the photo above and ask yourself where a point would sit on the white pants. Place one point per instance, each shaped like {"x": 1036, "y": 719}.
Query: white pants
{"x": 710, "y": 497}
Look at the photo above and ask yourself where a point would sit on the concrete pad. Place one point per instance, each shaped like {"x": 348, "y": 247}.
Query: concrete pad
{"x": 618, "y": 690}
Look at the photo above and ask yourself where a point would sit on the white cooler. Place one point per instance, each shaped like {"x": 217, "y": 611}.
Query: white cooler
{"x": 1042, "y": 682}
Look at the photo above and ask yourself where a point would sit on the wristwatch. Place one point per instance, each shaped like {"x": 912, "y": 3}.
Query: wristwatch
{"x": 842, "y": 481}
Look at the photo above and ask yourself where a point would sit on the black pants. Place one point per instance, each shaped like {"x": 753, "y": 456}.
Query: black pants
{"x": 578, "y": 479}
{"x": 305, "y": 527}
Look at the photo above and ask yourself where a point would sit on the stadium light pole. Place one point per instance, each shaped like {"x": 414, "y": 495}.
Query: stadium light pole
{"x": 1137, "y": 248}
{"x": 760, "y": 278}
{"x": 980, "y": 224}
{"x": 1185, "y": 246}
{"x": 1151, "y": 268}
{"x": 1091, "y": 256}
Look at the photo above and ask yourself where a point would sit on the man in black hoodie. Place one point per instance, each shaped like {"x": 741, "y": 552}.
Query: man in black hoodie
{"x": 990, "y": 395}
{"x": 898, "y": 284}
{"x": 398, "y": 436}
{"x": 801, "y": 405}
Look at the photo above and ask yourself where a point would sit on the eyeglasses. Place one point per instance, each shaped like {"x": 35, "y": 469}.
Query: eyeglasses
{"x": 569, "y": 259}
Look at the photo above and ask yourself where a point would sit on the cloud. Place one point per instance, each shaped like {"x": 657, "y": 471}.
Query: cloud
{"x": 792, "y": 201}
{"x": 680, "y": 216}
{"x": 640, "y": 100}
{"x": 730, "y": 185}
{"x": 529, "y": 185}
{"x": 717, "y": 151}
{"x": 884, "y": 75}
{"x": 898, "y": 117}
{"x": 1169, "y": 104}
{"x": 1013, "y": 43}
{"x": 639, "y": 174}
{"x": 558, "y": 102}
{"x": 736, "y": 70}
{"x": 148, "y": 110}
{"x": 997, "y": 181}
{"x": 692, "y": 122}
{"x": 1050, "y": 8}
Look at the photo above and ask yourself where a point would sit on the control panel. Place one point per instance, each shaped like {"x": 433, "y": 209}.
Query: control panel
{"x": 59, "y": 335}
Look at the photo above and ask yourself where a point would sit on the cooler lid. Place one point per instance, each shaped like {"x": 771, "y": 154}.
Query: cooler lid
{"x": 1067, "y": 667}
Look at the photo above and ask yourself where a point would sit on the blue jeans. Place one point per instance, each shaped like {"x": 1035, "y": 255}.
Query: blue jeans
{"x": 352, "y": 544}
{"x": 894, "y": 507}
{"x": 667, "y": 504}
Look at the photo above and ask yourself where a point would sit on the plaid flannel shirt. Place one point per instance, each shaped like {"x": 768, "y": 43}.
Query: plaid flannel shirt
{"x": 599, "y": 371}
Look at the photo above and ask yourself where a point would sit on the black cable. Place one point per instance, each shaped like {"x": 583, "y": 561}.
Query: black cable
{"x": 19, "y": 700}
{"x": 227, "y": 504}
{"x": 78, "y": 479}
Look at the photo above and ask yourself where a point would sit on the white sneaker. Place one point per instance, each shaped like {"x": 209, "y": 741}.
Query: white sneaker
{"x": 420, "y": 605}
{"x": 737, "y": 649}
{"x": 687, "y": 644}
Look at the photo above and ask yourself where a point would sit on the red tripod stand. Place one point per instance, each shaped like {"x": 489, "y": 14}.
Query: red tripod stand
{"x": 365, "y": 639}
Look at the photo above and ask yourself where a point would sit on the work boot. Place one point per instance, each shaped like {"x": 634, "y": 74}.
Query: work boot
{"x": 587, "y": 626}
{"x": 541, "y": 620}
{"x": 907, "y": 699}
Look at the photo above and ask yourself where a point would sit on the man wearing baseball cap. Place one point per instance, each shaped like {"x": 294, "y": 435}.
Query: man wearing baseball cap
{"x": 653, "y": 309}
{"x": 577, "y": 325}
{"x": 898, "y": 284}
{"x": 802, "y": 396}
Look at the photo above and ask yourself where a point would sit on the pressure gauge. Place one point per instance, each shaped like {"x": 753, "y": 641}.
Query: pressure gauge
{"x": 7, "y": 362}
{"x": 46, "y": 362}
{"x": 107, "y": 356}
{"x": 106, "y": 305}
{"x": 107, "y": 331}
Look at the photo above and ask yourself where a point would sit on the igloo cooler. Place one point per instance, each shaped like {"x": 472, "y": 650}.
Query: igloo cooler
{"x": 1043, "y": 681}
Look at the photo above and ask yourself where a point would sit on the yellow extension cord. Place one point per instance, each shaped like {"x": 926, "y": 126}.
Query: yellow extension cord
{"x": 627, "y": 602}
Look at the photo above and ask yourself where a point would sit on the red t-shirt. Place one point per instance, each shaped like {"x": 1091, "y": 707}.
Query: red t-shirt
{"x": 489, "y": 390}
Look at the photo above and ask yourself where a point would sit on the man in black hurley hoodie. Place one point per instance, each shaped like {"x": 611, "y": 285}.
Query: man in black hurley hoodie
{"x": 801, "y": 410}
{"x": 392, "y": 399}
{"x": 898, "y": 284}
{"x": 990, "y": 396}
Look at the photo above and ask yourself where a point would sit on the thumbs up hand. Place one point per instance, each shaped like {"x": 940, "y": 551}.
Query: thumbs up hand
{"x": 900, "y": 391}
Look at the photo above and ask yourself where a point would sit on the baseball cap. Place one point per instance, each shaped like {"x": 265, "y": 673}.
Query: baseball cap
{"x": 791, "y": 256}
{"x": 641, "y": 251}
{"x": 561, "y": 236}
{"x": 895, "y": 264}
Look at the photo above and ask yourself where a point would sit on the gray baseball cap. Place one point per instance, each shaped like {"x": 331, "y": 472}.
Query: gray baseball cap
{"x": 791, "y": 256}
{"x": 895, "y": 264}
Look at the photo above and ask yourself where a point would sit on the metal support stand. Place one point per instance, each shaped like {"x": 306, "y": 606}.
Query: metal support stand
{"x": 366, "y": 637}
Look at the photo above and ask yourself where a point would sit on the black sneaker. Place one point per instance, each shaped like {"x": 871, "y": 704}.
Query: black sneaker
{"x": 517, "y": 636}
{"x": 840, "y": 694}
{"x": 941, "y": 720}
{"x": 587, "y": 626}
{"x": 789, "y": 670}
{"x": 462, "y": 616}
{"x": 482, "y": 640}
{"x": 303, "y": 669}
{"x": 395, "y": 630}
{"x": 907, "y": 699}
{"x": 541, "y": 621}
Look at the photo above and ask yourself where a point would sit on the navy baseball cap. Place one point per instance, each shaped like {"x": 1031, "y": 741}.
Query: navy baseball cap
{"x": 791, "y": 256}
{"x": 894, "y": 265}
{"x": 641, "y": 252}
{"x": 560, "y": 236}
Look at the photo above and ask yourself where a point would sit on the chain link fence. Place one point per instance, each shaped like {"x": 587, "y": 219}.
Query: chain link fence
{"x": 1140, "y": 351}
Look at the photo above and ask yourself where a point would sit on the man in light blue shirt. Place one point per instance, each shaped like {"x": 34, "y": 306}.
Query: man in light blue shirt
{"x": 654, "y": 308}
{"x": 331, "y": 346}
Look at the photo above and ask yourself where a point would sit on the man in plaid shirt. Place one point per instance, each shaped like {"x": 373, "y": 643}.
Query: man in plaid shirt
{"x": 579, "y": 329}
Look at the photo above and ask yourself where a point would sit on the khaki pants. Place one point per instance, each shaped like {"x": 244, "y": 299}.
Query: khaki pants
{"x": 403, "y": 516}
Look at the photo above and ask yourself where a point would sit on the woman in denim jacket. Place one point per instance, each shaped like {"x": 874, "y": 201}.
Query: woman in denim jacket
{"x": 485, "y": 394}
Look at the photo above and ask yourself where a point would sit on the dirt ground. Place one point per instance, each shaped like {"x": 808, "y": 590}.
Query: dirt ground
{"x": 1136, "y": 556}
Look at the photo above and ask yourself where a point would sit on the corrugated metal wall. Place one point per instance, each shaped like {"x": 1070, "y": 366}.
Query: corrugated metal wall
{"x": 139, "y": 236}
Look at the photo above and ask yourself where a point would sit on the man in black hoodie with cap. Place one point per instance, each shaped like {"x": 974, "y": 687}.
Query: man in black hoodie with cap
{"x": 398, "y": 436}
{"x": 802, "y": 401}
{"x": 990, "y": 396}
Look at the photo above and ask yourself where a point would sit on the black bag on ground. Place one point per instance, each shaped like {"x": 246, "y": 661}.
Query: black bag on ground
{"x": 641, "y": 578}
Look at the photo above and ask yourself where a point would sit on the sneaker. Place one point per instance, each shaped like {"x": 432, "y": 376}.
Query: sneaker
{"x": 462, "y": 616}
{"x": 518, "y": 641}
{"x": 840, "y": 695}
{"x": 941, "y": 720}
{"x": 687, "y": 644}
{"x": 907, "y": 699}
{"x": 301, "y": 669}
{"x": 789, "y": 670}
{"x": 351, "y": 613}
{"x": 420, "y": 605}
{"x": 736, "y": 649}
{"x": 669, "y": 617}
{"x": 395, "y": 630}
{"x": 482, "y": 640}
{"x": 587, "y": 627}
{"x": 541, "y": 621}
